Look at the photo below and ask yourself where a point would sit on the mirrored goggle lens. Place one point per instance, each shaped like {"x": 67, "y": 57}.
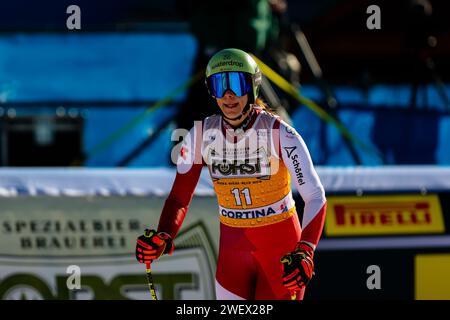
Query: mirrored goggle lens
{"x": 238, "y": 82}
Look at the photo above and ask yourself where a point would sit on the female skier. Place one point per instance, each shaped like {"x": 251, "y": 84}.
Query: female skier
{"x": 264, "y": 251}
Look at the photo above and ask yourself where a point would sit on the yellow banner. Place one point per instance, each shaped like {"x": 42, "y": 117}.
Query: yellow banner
{"x": 381, "y": 215}
{"x": 432, "y": 276}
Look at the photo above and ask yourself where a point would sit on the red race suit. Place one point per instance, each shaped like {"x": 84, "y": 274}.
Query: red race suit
{"x": 251, "y": 170}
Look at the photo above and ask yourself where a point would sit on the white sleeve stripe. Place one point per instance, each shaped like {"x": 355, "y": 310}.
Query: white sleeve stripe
{"x": 312, "y": 209}
{"x": 191, "y": 153}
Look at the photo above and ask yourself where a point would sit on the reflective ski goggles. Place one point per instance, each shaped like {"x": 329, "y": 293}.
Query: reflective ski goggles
{"x": 238, "y": 82}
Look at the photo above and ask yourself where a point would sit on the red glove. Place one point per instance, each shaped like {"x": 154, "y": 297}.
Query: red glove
{"x": 298, "y": 267}
{"x": 152, "y": 245}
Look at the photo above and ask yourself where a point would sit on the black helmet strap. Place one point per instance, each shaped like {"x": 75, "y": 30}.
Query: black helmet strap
{"x": 244, "y": 111}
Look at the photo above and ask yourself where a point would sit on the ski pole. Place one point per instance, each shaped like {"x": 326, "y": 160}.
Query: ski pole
{"x": 151, "y": 286}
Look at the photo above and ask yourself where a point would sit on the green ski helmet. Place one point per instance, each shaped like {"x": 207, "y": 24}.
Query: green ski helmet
{"x": 234, "y": 60}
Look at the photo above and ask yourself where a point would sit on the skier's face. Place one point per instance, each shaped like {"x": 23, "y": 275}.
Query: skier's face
{"x": 232, "y": 105}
